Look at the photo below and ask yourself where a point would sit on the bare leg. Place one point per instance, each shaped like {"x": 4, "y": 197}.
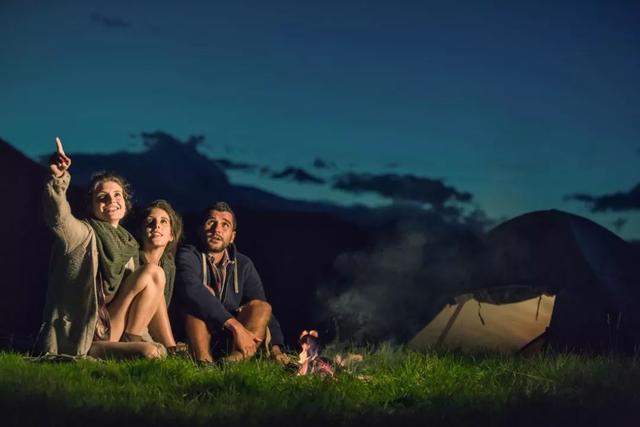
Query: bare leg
{"x": 137, "y": 301}
{"x": 255, "y": 317}
{"x": 126, "y": 350}
{"x": 199, "y": 338}
{"x": 160, "y": 327}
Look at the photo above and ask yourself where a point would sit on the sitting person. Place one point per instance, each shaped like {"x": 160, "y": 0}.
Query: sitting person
{"x": 220, "y": 290}
{"x": 99, "y": 302}
{"x": 159, "y": 232}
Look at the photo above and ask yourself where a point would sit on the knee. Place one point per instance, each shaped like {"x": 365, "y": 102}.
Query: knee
{"x": 155, "y": 276}
{"x": 259, "y": 307}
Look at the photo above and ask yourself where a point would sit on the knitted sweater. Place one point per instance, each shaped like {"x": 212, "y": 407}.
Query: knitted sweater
{"x": 71, "y": 309}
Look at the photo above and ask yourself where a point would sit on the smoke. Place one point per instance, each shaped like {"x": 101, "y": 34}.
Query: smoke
{"x": 389, "y": 291}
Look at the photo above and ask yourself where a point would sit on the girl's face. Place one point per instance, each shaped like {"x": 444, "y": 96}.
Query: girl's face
{"x": 109, "y": 203}
{"x": 157, "y": 229}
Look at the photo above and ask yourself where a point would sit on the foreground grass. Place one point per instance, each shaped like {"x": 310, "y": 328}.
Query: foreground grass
{"x": 391, "y": 386}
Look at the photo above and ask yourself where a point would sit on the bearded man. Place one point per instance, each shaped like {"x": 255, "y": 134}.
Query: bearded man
{"x": 226, "y": 310}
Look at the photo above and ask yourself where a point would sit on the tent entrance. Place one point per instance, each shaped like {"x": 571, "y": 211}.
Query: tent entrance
{"x": 474, "y": 325}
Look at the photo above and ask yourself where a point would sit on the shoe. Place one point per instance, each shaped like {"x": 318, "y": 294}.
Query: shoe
{"x": 181, "y": 350}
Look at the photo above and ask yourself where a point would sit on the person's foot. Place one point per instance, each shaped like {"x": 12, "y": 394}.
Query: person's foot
{"x": 180, "y": 350}
{"x": 235, "y": 356}
{"x": 281, "y": 358}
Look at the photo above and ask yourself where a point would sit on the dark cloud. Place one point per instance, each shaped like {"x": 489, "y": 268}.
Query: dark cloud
{"x": 402, "y": 187}
{"x": 619, "y": 224}
{"x": 265, "y": 171}
{"x": 231, "y": 165}
{"x": 110, "y": 21}
{"x": 298, "y": 175}
{"x": 616, "y": 202}
{"x": 318, "y": 163}
{"x": 159, "y": 140}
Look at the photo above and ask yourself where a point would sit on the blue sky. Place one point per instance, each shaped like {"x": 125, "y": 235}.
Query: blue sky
{"x": 518, "y": 104}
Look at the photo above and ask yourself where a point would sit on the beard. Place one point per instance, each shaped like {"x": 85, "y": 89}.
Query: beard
{"x": 217, "y": 246}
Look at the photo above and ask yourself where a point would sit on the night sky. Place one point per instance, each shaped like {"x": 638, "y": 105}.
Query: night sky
{"x": 519, "y": 105}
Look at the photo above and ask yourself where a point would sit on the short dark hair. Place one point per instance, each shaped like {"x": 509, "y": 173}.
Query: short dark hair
{"x": 174, "y": 217}
{"x": 220, "y": 206}
{"x": 109, "y": 176}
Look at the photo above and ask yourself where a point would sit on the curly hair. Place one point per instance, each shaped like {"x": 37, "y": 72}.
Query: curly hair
{"x": 101, "y": 177}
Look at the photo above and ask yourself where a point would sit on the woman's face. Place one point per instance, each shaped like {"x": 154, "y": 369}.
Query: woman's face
{"x": 109, "y": 203}
{"x": 157, "y": 229}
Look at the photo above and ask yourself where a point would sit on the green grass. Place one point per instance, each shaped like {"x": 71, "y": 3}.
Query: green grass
{"x": 391, "y": 386}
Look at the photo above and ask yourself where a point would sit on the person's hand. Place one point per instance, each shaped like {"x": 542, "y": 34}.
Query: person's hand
{"x": 59, "y": 162}
{"x": 246, "y": 342}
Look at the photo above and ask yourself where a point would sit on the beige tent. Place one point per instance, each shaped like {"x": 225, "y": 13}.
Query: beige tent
{"x": 474, "y": 325}
{"x": 503, "y": 302}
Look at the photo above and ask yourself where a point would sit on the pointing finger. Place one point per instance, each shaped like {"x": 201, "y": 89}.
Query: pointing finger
{"x": 59, "y": 148}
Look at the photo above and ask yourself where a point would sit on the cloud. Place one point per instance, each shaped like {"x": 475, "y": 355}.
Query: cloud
{"x": 291, "y": 173}
{"x": 318, "y": 163}
{"x": 298, "y": 175}
{"x": 161, "y": 140}
{"x": 231, "y": 165}
{"x": 402, "y": 187}
{"x": 619, "y": 224}
{"x": 110, "y": 21}
{"x": 616, "y": 202}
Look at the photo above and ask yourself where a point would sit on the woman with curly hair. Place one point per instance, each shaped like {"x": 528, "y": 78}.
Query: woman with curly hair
{"x": 100, "y": 302}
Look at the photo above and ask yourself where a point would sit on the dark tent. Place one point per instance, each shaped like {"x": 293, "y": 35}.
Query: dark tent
{"x": 592, "y": 273}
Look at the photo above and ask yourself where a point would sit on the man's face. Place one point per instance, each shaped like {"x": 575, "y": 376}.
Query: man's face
{"x": 218, "y": 231}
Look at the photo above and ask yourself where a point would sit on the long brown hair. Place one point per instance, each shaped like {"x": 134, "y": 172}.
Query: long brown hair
{"x": 174, "y": 217}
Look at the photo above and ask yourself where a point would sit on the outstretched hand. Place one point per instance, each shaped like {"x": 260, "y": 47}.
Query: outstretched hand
{"x": 59, "y": 162}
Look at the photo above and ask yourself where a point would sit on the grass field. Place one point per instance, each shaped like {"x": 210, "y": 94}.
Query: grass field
{"x": 390, "y": 387}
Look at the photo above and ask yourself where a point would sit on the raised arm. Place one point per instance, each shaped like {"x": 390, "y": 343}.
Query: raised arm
{"x": 57, "y": 211}
{"x": 59, "y": 161}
